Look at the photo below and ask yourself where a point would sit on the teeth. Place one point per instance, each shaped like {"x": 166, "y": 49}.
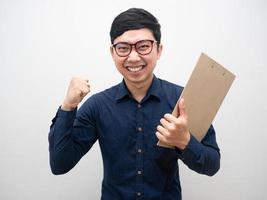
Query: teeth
{"x": 135, "y": 69}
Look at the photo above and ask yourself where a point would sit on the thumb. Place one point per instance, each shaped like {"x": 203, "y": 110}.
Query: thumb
{"x": 181, "y": 107}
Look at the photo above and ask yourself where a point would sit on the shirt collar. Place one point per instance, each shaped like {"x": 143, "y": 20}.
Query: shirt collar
{"x": 122, "y": 91}
{"x": 154, "y": 90}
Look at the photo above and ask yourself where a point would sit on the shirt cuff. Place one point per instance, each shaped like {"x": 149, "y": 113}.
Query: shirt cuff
{"x": 63, "y": 113}
{"x": 192, "y": 150}
{"x": 66, "y": 115}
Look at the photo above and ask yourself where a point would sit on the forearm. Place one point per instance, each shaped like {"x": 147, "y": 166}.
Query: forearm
{"x": 64, "y": 151}
{"x": 200, "y": 158}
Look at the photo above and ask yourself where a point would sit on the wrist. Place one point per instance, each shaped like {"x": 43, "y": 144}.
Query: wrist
{"x": 182, "y": 146}
{"x": 68, "y": 107}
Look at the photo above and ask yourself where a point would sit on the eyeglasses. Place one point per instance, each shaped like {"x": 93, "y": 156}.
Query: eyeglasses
{"x": 143, "y": 47}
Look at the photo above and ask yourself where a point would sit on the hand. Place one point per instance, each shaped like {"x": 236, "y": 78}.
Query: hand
{"x": 174, "y": 130}
{"x": 77, "y": 90}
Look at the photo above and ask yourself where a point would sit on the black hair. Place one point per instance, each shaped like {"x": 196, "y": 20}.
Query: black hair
{"x": 133, "y": 19}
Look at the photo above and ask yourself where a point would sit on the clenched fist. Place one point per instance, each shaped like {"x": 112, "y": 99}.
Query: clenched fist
{"x": 77, "y": 90}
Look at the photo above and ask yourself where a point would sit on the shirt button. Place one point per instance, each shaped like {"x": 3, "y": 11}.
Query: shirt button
{"x": 138, "y": 193}
{"x": 140, "y": 129}
{"x": 139, "y": 172}
{"x": 139, "y": 105}
{"x": 139, "y": 150}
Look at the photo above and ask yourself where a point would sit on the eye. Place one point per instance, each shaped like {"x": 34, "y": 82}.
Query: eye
{"x": 143, "y": 45}
{"x": 122, "y": 47}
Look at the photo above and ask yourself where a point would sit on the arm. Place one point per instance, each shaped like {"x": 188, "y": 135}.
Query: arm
{"x": 71, "y": 135}
{"x": 201, "y": 157}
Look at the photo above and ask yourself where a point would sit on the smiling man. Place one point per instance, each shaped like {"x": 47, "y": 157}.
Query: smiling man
{"x": 135, "y": 54}
{"x": 129, "y": 118}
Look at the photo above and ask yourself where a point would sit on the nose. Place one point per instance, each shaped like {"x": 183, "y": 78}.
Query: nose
{"x": 134, "y": 56}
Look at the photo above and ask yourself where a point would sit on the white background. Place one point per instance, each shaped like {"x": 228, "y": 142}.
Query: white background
{"x": 43, "y": 43}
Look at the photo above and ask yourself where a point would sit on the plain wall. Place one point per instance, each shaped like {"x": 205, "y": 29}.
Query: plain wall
{"x": 43, "y": 43}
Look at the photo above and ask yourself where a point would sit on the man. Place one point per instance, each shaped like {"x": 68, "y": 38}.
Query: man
{"x": 128, "y": 119}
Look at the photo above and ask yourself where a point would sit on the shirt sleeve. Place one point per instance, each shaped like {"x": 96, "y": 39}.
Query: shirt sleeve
{"x": 71, "y": 135}
{"x": 202, "y": 157}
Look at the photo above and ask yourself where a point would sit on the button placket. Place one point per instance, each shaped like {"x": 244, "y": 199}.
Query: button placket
{"x": 139, "y": 151}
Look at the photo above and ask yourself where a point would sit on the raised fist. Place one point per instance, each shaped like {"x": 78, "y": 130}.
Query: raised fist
{"x": 77, "y": 90}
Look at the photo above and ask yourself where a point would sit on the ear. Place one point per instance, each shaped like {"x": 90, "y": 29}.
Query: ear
{"x": 159, "y": 51}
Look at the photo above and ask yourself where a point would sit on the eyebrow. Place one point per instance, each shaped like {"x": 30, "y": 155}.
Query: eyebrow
{"x": 133, "y": 42}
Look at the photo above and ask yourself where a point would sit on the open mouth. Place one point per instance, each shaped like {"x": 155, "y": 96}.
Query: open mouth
{"x": 135, "y": 68}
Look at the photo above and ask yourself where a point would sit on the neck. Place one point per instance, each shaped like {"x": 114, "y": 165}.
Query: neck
{"x": 139, "y": 90}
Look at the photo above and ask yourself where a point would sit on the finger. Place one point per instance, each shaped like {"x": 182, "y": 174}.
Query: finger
{"x": 82, "y": 93}
{"x": 85, "y": 91}
{"x": 178, "y": 124}
{"x": 87, "y": 83}
{"x": 182, "y": 108}
{"x": 82, "y": 81}
{"x": 86, "y": 86}
{"x": 162, "y": 130}
{"x": 166, "y": 124}
{"x": 171, "y": 119}
{"x": 160, "y": 137}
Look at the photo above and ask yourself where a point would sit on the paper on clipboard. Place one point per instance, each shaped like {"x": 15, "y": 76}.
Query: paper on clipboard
{"x": 203, "y": 95}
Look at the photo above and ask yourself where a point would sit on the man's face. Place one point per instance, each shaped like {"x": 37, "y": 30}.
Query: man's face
{"x": 136, "y": 69}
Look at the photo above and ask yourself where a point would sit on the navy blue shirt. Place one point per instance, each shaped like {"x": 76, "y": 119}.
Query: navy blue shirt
{"x": 134, "y": 166}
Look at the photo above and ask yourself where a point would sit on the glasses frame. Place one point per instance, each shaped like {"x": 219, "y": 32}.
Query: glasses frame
{"x": 134, "y": 45}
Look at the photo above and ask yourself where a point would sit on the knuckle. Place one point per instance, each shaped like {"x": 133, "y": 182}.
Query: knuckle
{"x": 78, "y": 92}
{"x": 172, "y": 128}
{"x": 169, "y": 135}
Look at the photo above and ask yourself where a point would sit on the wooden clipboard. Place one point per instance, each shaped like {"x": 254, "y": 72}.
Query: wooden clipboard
{"x": 203, "y": 95}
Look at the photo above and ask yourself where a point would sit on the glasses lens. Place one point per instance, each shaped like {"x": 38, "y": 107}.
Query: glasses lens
{"x": 123, "y": 49}
{"x": 144, "y": 47}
